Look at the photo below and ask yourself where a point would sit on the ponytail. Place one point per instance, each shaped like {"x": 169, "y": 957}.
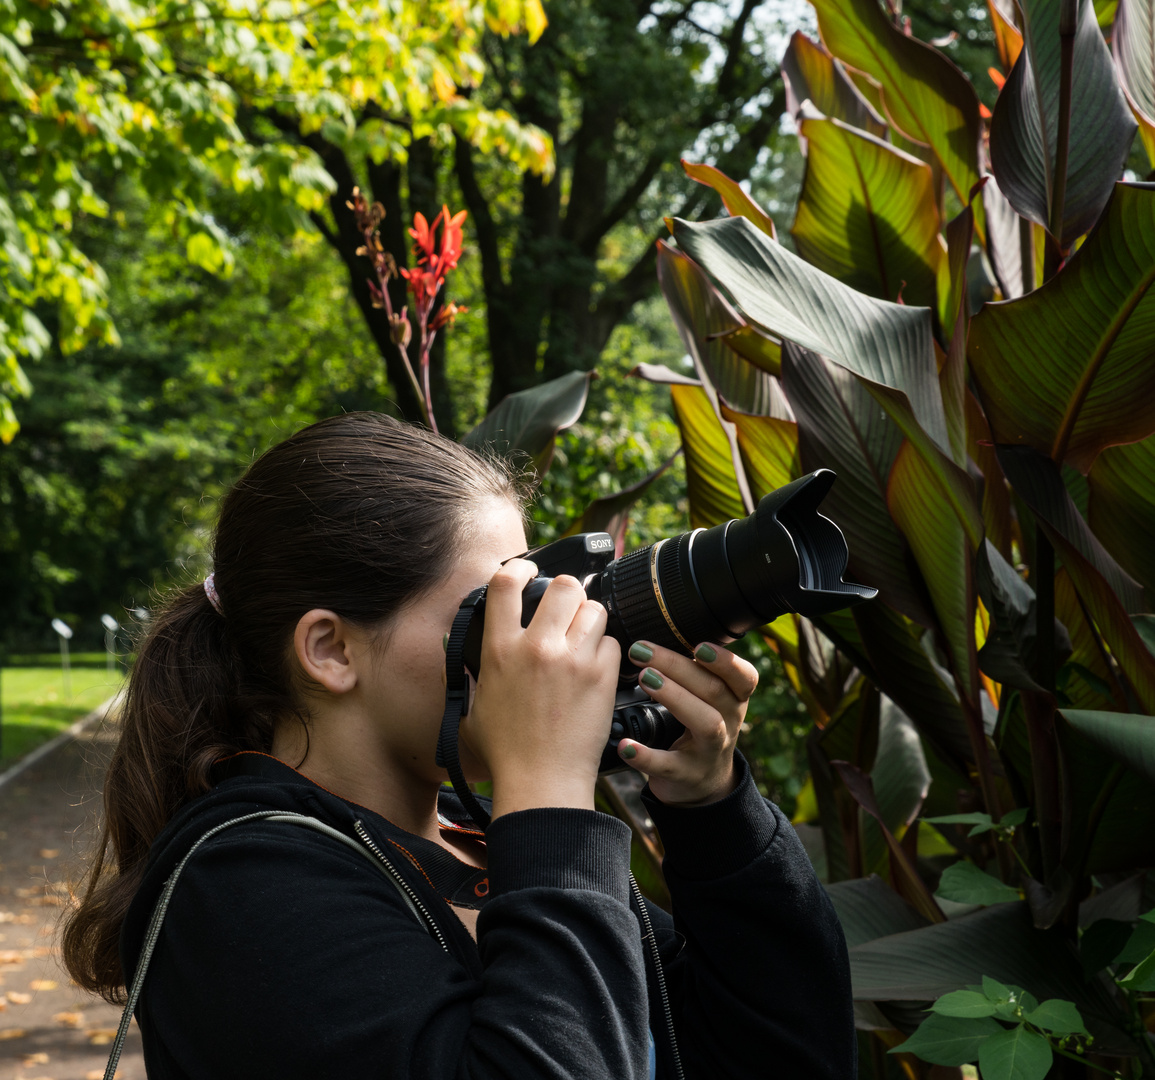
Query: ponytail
{"x": 359, "y": 514}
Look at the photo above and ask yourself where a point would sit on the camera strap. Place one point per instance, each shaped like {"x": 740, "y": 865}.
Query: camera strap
{"x": 457, "y": 705}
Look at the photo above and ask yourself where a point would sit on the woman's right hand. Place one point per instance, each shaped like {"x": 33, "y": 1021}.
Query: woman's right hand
{"x": 541, "y": 713}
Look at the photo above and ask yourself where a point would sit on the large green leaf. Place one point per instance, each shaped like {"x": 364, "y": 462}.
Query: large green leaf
{"x": 713, "y": 462}
{"x": 1126, "y": 736}
{"x": 868, "y": 908}
{"x": 949, "y": 1041}
{"x": 1121, "y": 507}
{"x": 996, "y": 500}
{"x": 1004, "y": 242}
{"x": 530, "y": 419}
{"x": 769, "y": 449}
{"x": 812, "y": 74}
{"x": 841, "y": 427}
{"x": 925, "y": 96}
{"x": 1108, "y": 592}
{"x": 700, "y": 314}
{"x": 734, "y": 198}
{"x": 1133, "y": 43}
{"x": 940, "y": 548}
{"x": 1000, "y": 942}
{"x": 1068, "y": 368}
{"x": 903, "y": 671}
{"x": 888, "y": 346}
{"x": 867, "y": 213}
{"x": 1024, "y": 128}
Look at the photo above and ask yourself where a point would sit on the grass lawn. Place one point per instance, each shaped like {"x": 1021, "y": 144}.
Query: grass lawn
{"x": 36, "y": 708}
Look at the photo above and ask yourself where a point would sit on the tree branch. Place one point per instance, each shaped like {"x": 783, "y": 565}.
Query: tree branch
{"x": 487, "y": 238}
{"x": 628, "y": 199}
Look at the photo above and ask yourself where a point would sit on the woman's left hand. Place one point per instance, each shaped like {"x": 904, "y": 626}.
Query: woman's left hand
{"x": 709, "y": 695}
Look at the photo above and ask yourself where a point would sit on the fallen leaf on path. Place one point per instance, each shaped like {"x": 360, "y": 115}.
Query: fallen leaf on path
{"x": 39, "y": 1058}
{"x": 17, "y": 998}
{"x": 98, "y": 1074}
{"x": 11, "y": 1033}
{"x": 43, "y": 984}
{"x": 100, "y": 1036}
{"x": 70, "y": 1019}
{"x": 49, "y": 852}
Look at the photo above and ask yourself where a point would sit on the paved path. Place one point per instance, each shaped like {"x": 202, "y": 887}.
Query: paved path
{"x": 49, "y": 1028}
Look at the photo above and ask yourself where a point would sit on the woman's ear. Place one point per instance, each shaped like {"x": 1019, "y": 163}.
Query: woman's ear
{"x": 327, "y": 647}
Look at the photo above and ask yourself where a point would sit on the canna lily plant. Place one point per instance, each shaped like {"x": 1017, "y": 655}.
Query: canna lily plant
{"x": 965, "y": 332}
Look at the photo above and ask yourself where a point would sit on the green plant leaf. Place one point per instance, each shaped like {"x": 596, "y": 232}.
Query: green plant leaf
{"x": 700, "y": 314}
{"x": 734, "y": 199}
{"x": 996, "y": 991}
{"x": 812, "y": 74}
{"x": 769, "y": 449}
{"x": 1014, "y": 818}
{"x": 1004, "y": 241}
{"x": 1058, "y": 1017}
{"x": 868, "y": 908}
{"x": 998, "y": 942}
{"x": 1008, "y": 655}
{"x": 982, "y": 822}
{"x": 1121, "y": 506}
{"x": 530, "y": 419}
{"x": 888, "y": 346}
{"x": 925, "y": 96}
{"x": 936, "y": 538}
{"x": 964, "y": 1003}
{"x": 1141, "y": 978}
{"x": 841, "y": 427}
{"x": 1024, "y": 127}
{"x": 1133, "y": 44}
{"x": 1017, "y": 1054}
{"x": 1125, "y": 736}
{"x": 867, "y": 213}
{"x": 947, "y": 1040}
{"x": 902, "y": 670}
{"x": 1106, "y": 590}
{"x": 965, "y": 883}
{"x": 712, "y": 460}
{"x": 1067, "y": 369}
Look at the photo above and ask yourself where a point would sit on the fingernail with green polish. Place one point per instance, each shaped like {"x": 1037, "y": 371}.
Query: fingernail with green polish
{"x": 628, "y": 750}
{"x": 706, "y": 654}
{"x": 445, "y": 643}
{"x": 641, "y": 652}
{"x": 652, "y": 679}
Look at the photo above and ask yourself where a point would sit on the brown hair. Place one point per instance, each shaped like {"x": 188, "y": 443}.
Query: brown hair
{"x": 360, "y": 514}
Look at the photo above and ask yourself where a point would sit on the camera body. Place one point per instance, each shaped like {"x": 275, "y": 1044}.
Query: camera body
{"x": 709, "y": 585}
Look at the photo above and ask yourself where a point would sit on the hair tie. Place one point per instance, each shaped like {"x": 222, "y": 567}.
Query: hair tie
{"x": 211, "y": 593}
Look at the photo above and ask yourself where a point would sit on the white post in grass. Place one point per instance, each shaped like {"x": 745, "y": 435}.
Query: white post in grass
{"x": 110, "y": 628}
{"x": 65, "y": 631}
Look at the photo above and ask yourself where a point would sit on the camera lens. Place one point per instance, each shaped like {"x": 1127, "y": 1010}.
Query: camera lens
{"x": 716, "y": 584}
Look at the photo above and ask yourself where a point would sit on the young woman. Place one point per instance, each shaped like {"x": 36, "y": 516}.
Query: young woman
{"x": 306, "y": 677}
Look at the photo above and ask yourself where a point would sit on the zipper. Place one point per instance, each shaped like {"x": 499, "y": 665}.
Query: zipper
{"x": 659, "y": 975}
{"x": 414, "y": 899}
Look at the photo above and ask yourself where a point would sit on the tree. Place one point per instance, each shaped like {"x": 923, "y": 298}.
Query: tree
{"x": 189, "y": 101}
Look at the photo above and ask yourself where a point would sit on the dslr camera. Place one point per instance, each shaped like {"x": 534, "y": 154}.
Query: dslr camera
{"x": 705, "y": 585}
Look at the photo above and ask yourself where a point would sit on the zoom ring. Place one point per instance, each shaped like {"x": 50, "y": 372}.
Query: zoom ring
{"x": 676, "y": 588}
{"x": 634, "y": 603}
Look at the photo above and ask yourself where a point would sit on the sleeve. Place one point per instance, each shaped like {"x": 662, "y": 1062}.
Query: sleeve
{"x": 289, "y": 956}
{"x": 757, "y": 963}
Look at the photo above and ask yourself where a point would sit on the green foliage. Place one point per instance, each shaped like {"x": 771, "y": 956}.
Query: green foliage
{"x": 975, "y": 638}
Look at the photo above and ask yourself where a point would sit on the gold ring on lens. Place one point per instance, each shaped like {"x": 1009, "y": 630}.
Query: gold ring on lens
{"x": 661, "y": 600}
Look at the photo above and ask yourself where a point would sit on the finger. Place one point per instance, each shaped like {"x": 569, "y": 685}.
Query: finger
{"x": 739, "y": 675}
{"x": 503, "y": 601}
{"x": 589, "y": 623}
{"x": 696, "y": 678}
{"x": 708, "y": 726}
{"x": 557, "y": 609}
{"x": 666, "y": 764}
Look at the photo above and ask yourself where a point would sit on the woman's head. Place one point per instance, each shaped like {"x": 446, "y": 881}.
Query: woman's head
{"x": 360, "y": 515}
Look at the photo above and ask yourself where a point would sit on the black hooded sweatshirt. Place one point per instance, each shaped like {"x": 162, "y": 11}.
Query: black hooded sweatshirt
{"x": 286, "y": 954}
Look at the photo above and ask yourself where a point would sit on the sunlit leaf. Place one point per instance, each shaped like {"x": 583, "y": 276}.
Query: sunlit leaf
{"x": 924, "y": 94}
{"x": 734, "y": 199}
{"x": 712, "y": 460}
{"x": 1008, "y": 40}
{"x": 867, "y": 213}
{"x": 1068, "y": 368}
{"x": 811, "y": 74}
{"x": 530, "y": 419}
{"x": 1024, "y": 128}
{"x": 769, "y": 449}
